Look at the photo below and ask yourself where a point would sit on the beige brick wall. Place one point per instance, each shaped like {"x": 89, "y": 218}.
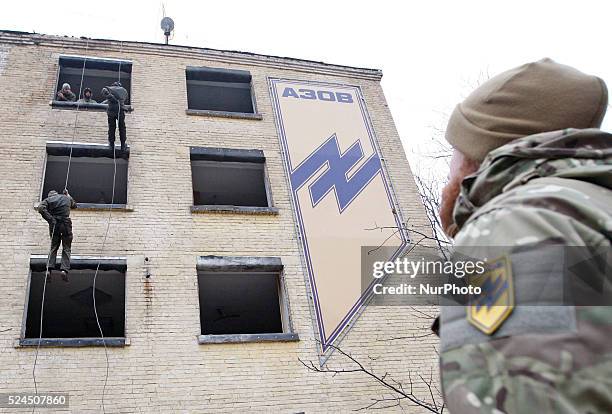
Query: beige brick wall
{"x": 164, "y": 369}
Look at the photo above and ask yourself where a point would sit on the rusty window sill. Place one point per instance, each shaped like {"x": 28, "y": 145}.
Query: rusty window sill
{"x": 221, "y": 209}
{"x": 72, "y": 342}
{"x": 246, "y": 338}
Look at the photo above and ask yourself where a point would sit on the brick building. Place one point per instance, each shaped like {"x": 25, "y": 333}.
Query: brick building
{"x": 183, "y": 251}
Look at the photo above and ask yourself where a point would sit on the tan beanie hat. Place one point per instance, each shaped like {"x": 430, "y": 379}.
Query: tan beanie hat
{"x": 536, "y": 97}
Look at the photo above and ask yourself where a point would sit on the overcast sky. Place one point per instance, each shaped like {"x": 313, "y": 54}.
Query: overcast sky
{"x": 431, "y": 52}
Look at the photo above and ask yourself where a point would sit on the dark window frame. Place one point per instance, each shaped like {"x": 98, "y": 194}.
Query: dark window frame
{"x": 61, "y": 148}
{"x": 87, "y": 106}
{"x": 232, "y": 155}
{"x": 77, "y": 262}
{"x": 223, "y": 113}
{"x": 249, "y": 265}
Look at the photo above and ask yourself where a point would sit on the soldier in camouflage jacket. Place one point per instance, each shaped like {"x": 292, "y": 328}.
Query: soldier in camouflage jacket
{"x": 530, "y": 171}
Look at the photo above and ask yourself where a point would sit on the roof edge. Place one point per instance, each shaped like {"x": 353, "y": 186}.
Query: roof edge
{"x": 14, "y": 36}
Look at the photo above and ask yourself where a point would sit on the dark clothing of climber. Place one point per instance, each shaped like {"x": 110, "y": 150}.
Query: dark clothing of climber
{"x": 55, "y": 209}
{"x": 113, "y": 117}
{"x": 115, "y": 95}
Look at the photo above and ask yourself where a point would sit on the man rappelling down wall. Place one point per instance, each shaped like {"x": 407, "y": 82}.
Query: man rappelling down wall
{"x": 115, "y": 96}
{"x": 56, "y": 210}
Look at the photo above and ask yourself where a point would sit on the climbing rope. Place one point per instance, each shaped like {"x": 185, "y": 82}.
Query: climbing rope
{"x": 42, "y": 303}
{"x": 76, "y": 117}
{"x": 42, "y": 308}
{"x": 101, "y": 248}
{"x": 110, "y": 213}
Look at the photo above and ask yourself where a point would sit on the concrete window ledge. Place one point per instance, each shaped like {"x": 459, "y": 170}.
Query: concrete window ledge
{"x": 105, "y": 207}
{"x": 98, "y": 207}
{"x": 85, "y": 106}
{"x": 224, "y": 114}
{"x": 234, "y": 209}
{"x": 235, "y": 264}
{"x": 72, "y": 342}
{"x": 242, "y": 338}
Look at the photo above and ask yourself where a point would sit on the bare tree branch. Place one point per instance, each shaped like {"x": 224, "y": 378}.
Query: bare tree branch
{"x": 399, "y": 393}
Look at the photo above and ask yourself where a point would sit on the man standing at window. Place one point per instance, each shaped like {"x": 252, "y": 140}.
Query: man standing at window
{"x": 115, "y": 95}
{"x": 66, "y": 94}
{"x": 55, "y": 209}
{"x": 87, "y": 97}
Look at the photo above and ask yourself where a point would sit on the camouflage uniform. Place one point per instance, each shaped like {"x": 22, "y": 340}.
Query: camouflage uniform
{"x": 116, "y": 96}
{"x": 55, "y": 209}
{"x": 550, "y": 186}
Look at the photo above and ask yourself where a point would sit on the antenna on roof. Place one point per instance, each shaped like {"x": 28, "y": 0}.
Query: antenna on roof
{"x": 167, "y": 25}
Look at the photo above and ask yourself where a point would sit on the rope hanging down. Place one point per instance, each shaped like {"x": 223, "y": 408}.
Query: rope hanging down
{"x": 101, "y": 248}
{"x": 110, "y": 213}
{"x": 42, "y": 303}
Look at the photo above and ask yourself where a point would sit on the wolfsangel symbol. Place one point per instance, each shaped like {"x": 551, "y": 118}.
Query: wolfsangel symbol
{"x": 493, "y": 306}
{"x": 312, "y": 119}
{"x": 336, "y": 176}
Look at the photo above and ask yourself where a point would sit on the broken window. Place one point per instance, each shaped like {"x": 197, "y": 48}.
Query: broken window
{"x": 229, "y": 177}
{"x": 91, "y": 173}
{"x": 222, "y": 90}
{"x": 241, "y": 295}
{"x": 68, "y": 307}
{"x": 98, "y": 74}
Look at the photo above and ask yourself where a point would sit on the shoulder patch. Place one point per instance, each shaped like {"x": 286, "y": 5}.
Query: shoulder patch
{"x": 488, "y": 310}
